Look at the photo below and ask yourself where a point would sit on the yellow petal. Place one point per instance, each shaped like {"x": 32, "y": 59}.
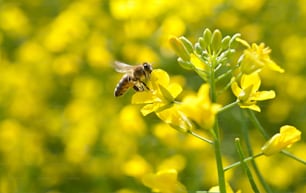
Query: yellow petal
{"x": 159, "y": 76}
{"x": 264, "y": 95}
{"x": 245, "y": 94}
{"x": 175, "y": 89}
{"x": 250, "y": 62}
{"x": 204, "y": 90}
{"x": 175, "y": 119}
{"x": 287, "y": 136}
{"x": 290, "y": 134}
{"x": 197, "y": 62}
{"x": 252, "y": 107}
{"x": 199, "y": 108}
{"x": 149, "y": 108}
{"x": 190, "y": 107}
{"x": 273, "y": 66}
{"x": 143, "y": 98}
{"x": 166, "y": 94}
{"x": 251, "y": 79}
{"x": 236, "y": 89}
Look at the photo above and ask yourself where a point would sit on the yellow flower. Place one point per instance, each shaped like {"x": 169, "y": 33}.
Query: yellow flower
{"x": 199, "y": 108}
{"x": 285, "y": 138}
{"x": 175, "y": 118}
{"x": 247, "y": 93}
{"x": 255, "y": 57}
{"x": 161, "y": 95}
{"x": 164, "y": 181}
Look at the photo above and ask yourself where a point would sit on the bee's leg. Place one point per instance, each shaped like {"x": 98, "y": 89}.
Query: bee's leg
{"x": 144, "y": 84}
{"x": 137, "y": 89}
{"x": 140, "y": 86}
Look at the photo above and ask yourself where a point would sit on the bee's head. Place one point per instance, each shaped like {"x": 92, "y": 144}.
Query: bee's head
{"x": 147, "y": 67}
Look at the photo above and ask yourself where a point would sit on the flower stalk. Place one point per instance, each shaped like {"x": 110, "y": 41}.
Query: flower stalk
{"x": 245, "y": 166}
{"x": 247, "y": 159}
{"x": 216, "y": 130}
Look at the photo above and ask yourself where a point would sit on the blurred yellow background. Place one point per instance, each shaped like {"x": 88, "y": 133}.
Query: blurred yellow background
{"x": 63, "y": 131}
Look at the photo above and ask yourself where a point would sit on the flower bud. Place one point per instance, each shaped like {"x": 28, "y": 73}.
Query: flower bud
{"x": 188, "y": 45}
{"x": 179, "y": 48}
{"x": 203, "y": 43}
{"x": 185, "y": 64}
{"x": 198, "y": 49}
{"x": 285, "y": 138}
{"x": 216, "y": 41}
{"x": 207, "y": 36}
{"x": 225, "y": 42}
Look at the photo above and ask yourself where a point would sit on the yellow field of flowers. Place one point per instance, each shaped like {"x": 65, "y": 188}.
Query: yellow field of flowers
{"x": 62, "y": 130}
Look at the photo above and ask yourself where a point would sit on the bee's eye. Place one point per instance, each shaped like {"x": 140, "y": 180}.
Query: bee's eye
{"x": 147, "y": 66}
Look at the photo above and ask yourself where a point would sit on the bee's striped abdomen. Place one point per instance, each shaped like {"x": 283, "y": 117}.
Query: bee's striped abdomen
{"x": 124, "y": 84}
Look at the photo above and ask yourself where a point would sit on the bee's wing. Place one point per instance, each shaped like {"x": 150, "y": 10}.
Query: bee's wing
{"x": 122, "y": 67}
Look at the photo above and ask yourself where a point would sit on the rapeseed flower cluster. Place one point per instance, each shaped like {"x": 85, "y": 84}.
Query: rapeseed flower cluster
{"x": 161, "y": 99}
{"x": 246, "y": 84}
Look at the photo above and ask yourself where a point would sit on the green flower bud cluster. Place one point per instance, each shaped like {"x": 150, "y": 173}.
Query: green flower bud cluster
{"x": 211, "y": 46}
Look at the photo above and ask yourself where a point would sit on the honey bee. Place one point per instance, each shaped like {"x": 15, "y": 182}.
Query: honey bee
{"x": 134, "y": 77}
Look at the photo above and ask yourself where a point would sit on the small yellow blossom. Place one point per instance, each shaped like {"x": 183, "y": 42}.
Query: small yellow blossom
{"x": 256, "y": 57}
{"x": 285, "y": 138}
{"x": 247, "y": 93}
{"x": 161, "y": 95}
{"x": 175, "y": 118}
{"x": 164, "y": 181}
{"x": 199, "y": 108}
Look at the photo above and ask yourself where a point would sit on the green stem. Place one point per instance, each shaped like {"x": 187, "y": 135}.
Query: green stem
{"x": 217, "y": 143}
{"x": 293, "y": 157}
{"x": 212, "y": 81}
{"x": 245, "y": 166}
{"x": 200, "y": 137}
{"x": 244, "y": 160}
{"x": 246, "y": 137}
{"x": 257, "y": 123}
{"x": 221, "y": 176}
{"x": 228, "y": 106}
